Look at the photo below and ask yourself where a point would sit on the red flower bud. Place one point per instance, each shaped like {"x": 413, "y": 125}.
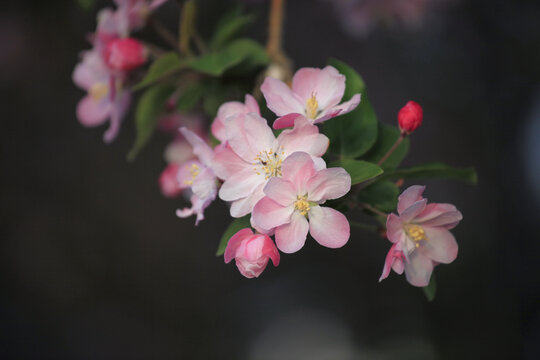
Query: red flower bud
{"x": 410, "y": 117}
{"x": 124, "y": 54}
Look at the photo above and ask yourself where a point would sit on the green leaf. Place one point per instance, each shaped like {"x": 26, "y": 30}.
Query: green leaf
{"x": 190, "y": 96}
{"x": 233, "y": 228}
{"x": 431, "y": 288}
{"x": 359, "y": 170}
{"x": 387, "y": 137}
{"x": 147, "y": 111}
{"x": 86, "y": 4}
{"x": 353, "y": 134}
{"x": 433, "y": 170}
{"x": 187, "y": 25}
{"x": 162, "y": 67}
{"x": 228, "y": 27}
{"x": 382, "y": 195}
{"x": 241, "y": 50}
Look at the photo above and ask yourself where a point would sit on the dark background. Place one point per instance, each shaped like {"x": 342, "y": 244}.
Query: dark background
{"x": 95, "y": 265}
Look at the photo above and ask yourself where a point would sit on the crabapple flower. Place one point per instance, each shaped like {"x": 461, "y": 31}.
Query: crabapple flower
{"x": 198, "y": 176}
{"x": 251, "y": 252}
{"x": 229, "y": 109}
{"x": 125, "y": 54}
{"x": 254, "y": 155}
{"x": 410, "y": 117}
{"x": 315, "y": 93}
{"x": 106, "y": 98}
{"x": 292, "y": 205}
{"x": 420, "y": 236}
{"x": 168, "y": 181}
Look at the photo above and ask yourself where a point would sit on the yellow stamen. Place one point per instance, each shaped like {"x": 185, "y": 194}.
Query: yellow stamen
{"x": 415, "y": 233}
{"x": 193, "y": 171}
{"x": 302, "y": 204}
{"x": 98, "y": 91}
{"x": 270, "y": 162}
{"x": 312, "y": 107}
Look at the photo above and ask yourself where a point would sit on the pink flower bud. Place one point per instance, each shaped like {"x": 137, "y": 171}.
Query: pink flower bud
{"x": 410, "y": 117}
{"x": 168, "y": 182}
{"x": 124, "y": 54}
{"x": 251, "y": 252}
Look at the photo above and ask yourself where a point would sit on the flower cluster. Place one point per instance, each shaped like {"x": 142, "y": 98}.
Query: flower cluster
{"x": 105, "y": 69}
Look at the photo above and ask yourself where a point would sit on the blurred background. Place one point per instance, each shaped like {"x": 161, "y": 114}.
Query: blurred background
{"x": 95, "y": 264}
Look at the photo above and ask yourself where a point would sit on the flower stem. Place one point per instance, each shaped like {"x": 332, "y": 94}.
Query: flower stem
{"x": 164, "y": 33}
{"x": 275, "y": 27}
{"x": 364, "y": 226}
{"x": 373, "y": 210}
{"x": 392, "y": 149}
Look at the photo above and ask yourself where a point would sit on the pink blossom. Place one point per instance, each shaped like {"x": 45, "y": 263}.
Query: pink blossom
{"x": 125, "y": 54}
{"x": 251, "y": 252}
{"x": 106, "y": 98}
{"x": 316, "y": 94}
{"x": 253, "y": 155}
{"x": 420, "y": 236}
{"x": 198, "y": 176}
{"x": 410, "y": 117}
{"x": 229, "y": 109}
{"x": 296, "y": 197}
{"x": 168, "y": 181}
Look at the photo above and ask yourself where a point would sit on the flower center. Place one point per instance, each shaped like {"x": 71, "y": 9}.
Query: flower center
{"x": 302, "y": 204}
{"x": 98, "y": 91}
{"x": 312, "y": 107}
{"x": 270, "y": 162}
{"x": 193, "y": 171}
{"x": 416, "y": 233}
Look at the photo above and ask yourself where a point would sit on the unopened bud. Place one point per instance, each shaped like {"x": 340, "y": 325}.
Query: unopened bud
{"x": 125, "y": 54}
{"x": 410, "y": 117}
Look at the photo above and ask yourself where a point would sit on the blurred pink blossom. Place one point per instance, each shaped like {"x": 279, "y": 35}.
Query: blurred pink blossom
{"x": 229, "y": 109}
{"x": 420, "y": 236}
{"x": 296, "y": 197}
{"x": 251, "y": 252}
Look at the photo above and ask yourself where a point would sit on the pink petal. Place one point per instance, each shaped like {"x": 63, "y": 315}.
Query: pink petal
{"x": 251, "y": 104}
{"x": 394, "y": 228}
{"x": 304, "y": 137}
{"x": 119, "y": 109}
{"x": 328, "y": 85}
{"x": 412, "y": 211}
{"x": 285, "y": 121}
{"x": 291, "y": 237}
{"x": 281, "y": 191}
{"x": 298, "y": 168}
{"x": 439, "y": 215}
{"x": 409, "y": 197}
{"x": 269, "y": 249}
{"x": 280, "y": 99}
{"x": 328, "y": 184}
{"x": 204, "y": 185}
{"x": 227, "y": 163}
{"x": 93, "y": 113}
{"x": 200, "y": 148}
{"x": 340, "y": 109}
{"x": 234, "y": 243}
{"x": 248, "y": 134}
{"x": 418, "y": 270}
{"x": 440, "y": 246}
{"x": 392, "y": 257}
{"x": 240, "y": 185}
{"x": 328, "y": 227}
{"x": 267, "y": 214}
{"x": 244, "y": 206}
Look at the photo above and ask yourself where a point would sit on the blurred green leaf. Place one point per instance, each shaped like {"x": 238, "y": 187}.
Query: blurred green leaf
{"x": 148, "y": 109}
{"x": 433, "y": 170}
{"x": 387, "y": 137}
{"x": 382, "y": 195}
{"x": 162, "y": 67}
{"x": 228, "y": 27}
{"x": 431, "y": 288}
{"x": 359, "y": 170}
{"x": 217, "y": 63}
{"x": 353, "y": 134}
{"x": 233, "y": 228}
{"x": 86, "y": 4}
{"x": 190, "y": 96}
